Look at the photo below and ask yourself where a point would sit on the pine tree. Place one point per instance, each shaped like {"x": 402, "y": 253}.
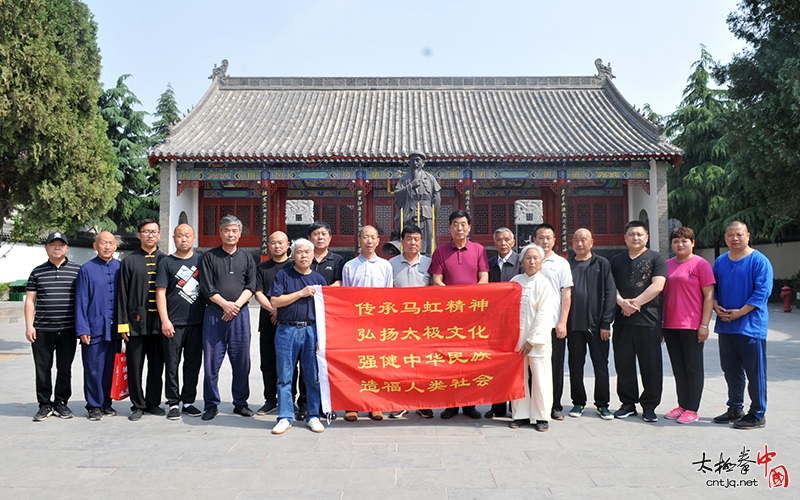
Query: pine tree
{"x": 167, "y": 113}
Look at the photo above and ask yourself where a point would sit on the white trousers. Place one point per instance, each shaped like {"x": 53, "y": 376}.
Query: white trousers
{"x": 538, "y": 391}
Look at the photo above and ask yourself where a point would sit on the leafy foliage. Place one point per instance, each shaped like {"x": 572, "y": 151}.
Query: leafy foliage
{"x": 699, "y": 188}
{"x": 56, "y": 164}
{"x": 167, "y": 113}
{"x": 130, "y": 137}
{"x": 764, "y": 129}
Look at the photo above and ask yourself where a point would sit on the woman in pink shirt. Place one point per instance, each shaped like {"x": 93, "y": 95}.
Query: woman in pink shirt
{"x": 687, "y": 302}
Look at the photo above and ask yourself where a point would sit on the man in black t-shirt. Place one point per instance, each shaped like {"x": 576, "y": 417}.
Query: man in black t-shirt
{"x": 181, "y": 309}
{"x": 278, "y": 245}
{"x": 50, "y": 326}
{"x": 640, "y": 275}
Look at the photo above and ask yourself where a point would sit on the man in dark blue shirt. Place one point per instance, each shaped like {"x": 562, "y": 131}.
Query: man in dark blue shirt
{"x": 292, "y": 295}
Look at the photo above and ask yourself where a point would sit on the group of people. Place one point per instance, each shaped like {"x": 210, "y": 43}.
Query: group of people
{"x": 184, "y": 307}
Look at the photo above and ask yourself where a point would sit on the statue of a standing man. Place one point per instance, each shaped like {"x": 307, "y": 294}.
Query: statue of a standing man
{"x": 417, "y": 195}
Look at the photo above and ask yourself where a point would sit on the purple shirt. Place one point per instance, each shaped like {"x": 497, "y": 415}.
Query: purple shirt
{"x": 459, "y": 266}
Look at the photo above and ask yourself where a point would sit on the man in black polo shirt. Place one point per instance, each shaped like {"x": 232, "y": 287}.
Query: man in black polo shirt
{"x": 50, "y": 326}
{"x": 278, "y": 244}
{"x": 227, "y": 281}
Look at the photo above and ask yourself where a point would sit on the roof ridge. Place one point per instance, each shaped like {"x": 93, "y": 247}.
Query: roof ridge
{"x": 407, "y": 82}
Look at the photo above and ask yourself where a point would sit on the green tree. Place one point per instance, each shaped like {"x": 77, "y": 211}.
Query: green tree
{"x": 698, "y": 187}
{"x": 130, "y": 137}
{"x": 167, "y": 114}
{"x": 764, "y": 129}
{"x": 56, "y": 163}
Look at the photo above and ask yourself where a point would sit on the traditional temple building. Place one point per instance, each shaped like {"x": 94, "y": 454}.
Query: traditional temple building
{"x": 261, "y": 148}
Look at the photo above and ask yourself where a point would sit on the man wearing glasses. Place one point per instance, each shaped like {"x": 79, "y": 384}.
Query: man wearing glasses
{"x": 138, "y": 322}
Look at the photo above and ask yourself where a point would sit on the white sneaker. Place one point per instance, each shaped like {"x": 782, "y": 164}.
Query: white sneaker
{"x": 282, "y": 426}
{"x": 315, "y": 425}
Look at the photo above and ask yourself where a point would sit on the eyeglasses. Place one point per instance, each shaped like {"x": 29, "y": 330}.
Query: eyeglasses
{"x": 149, "y": 232}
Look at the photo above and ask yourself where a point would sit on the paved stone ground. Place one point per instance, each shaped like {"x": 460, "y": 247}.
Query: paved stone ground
{"x": 236, "y": 457}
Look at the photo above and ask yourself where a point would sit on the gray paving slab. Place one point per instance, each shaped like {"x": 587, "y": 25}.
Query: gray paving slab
{"x": 238, "y": 458}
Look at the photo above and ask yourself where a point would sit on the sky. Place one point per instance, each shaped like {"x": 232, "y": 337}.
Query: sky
{"x": 650, "y": 44}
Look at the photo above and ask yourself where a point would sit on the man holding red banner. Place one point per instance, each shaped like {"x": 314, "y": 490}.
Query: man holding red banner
{"x": 459, "y": 262}
{"x": 367, "y": 270}
{"x": 292, "y": 295}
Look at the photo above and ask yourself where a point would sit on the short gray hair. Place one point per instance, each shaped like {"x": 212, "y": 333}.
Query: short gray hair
{"x": 500, "y": 230}
{"x": 230, "y": 220}
{"x": 531, "y": 246}
{"x": 301, "y": 242}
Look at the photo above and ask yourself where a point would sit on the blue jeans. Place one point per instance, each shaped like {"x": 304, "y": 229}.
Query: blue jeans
{"x": 291, "y": 342}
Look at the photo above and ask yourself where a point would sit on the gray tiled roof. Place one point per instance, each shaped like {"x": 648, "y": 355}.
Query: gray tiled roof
{"x": 307, "y": 119}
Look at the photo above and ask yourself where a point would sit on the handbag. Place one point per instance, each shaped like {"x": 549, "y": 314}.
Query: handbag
{"x": 119, "y": 384}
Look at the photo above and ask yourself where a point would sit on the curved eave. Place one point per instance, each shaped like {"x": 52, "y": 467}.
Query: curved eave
{"x": 673, "y": 159}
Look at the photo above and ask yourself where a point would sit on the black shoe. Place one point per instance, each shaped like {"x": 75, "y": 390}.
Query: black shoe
{"x": 541, "y": 426}
{"x": 516, "y": 424}
{"x": 268, "y": 408}
{"x": 94, "y": 414}
{"x": 750, "y": 421}
{"x": 109, "y": 412}
{"x": 191, "y": 410}
{"x": 449, "y": 413}
{"x": 493, "y": 414}
{"x": 210, "y": 413}
{"x": 331, "y": 415}
{"x": 731, "y": 416}
{"x": 425, "y": 413}
{"x": 398, "y": 414}
{"x": 155, "y": 410}
{"x": 174, "y": 413}
{"x": 301, "y": 413}
{"x": 555, "y": 415}
{"x": 649, "y": 416}
{"x": 44, "y": 412}
{"x": 136, "y": 414}
{"x": 62, "y": 410}
{"x": 243, "y": 410}
{"x": 625, "y": 411}
{"x": 471, "y": 412}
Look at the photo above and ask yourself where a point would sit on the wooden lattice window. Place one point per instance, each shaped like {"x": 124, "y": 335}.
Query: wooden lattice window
{"x": 383, "y": 219}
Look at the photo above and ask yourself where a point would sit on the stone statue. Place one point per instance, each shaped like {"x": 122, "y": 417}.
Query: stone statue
{"x": 417, "y": 195}
{"x": 603, "y": 70}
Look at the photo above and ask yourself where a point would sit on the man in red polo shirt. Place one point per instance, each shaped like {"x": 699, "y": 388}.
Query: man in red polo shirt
{"x": 459, "y": 262}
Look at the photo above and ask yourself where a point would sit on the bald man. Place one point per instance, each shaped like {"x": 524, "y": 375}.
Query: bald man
{"x": 278, "y": 245}
{"x": 181, "y": 309}
{"x": 589, "y": 323}
{"x": 95, "y": 325}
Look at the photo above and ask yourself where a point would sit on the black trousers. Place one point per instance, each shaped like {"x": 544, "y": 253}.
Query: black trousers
{"x": 138, "y": 348}
{"x": 642, "y": 343}
{"x": 559, "y": 351}
{"x": 188, "y": 340}
{"x": 598, "y": 352}
{"x": 63, "y": 346}
{"x": 686, "y": 357}
{"x": 269, "y": 372}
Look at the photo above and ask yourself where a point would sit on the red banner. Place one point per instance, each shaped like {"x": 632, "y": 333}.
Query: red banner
{"x": 385, "y": 349}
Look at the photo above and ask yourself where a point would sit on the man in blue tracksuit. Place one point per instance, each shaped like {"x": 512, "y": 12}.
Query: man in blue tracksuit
{"x": 744, "y": 284}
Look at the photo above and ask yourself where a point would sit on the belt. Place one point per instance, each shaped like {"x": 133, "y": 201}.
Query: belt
{"x": 297, "y": 324}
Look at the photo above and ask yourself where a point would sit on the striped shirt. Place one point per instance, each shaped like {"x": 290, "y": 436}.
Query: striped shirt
{"x": 55, "y": 296}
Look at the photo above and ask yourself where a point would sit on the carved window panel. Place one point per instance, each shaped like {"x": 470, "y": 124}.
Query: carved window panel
{"x": 617, "y": 218}
{"x": 499, "y": 216}
{"x": 600, "y": 219}
{"x": 383, "y": 219}
{"x": 210, "y": 221}
{"x": 480, "y": 219}
{"x": 243, "y": 212}
{"x": 584, "y": 216}
{"x": 442, "y": 226}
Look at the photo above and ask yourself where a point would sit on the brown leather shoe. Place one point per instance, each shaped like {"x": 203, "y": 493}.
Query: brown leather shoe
{"x": 376, "y": 415}
{"x": 351, "y": 416}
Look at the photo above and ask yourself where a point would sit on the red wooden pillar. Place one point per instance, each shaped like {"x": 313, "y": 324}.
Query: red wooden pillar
{"x": 561, "y": 187}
